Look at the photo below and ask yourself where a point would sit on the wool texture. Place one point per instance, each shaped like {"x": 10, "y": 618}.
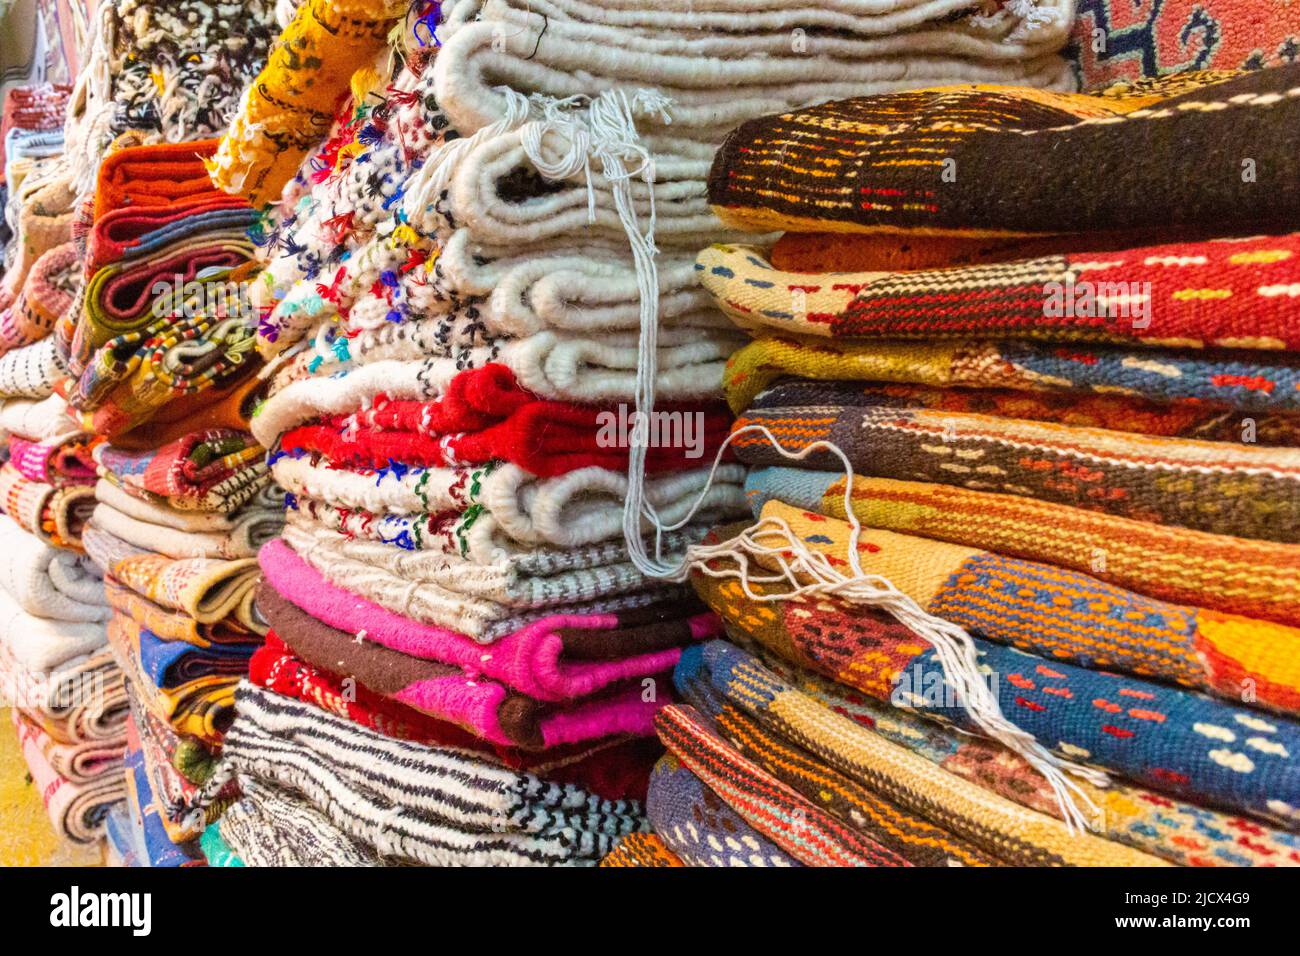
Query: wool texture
{"x": 1228, "y": 488}
{"x": 445, "y": 808}
{"x": 1182, "y": 295}
{"x": 1195, "y": 747}
{"x": 880, "y": 161}
{"x": 1261, "y": 382}
{"x": 642, "y": 850}
{"x": 1233, "y": 575}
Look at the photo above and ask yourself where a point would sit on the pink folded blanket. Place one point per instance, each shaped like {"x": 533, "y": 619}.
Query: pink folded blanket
{"x": 560, "y": 657}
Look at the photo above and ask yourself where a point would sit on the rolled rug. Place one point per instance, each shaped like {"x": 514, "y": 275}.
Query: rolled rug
{"x": 1260, "y": 382}
{"x": 586, "y": 370}
{"x": 207, "y": 589}
{"x": 1235, "y": 575}
{"x": 79, "y": 763}
{"x": 1023, "y": 129}
{"x": 197, "y": 472}
{"x": 579, "y": 508}
{"x": 48, "y": 582}
{"x": 1198, "y": 748}
{"x": 561, "y": 657}
{"x": 1227, "y": 488}
{"x": 156, "y": 176}
{"x": 56, "y": 516}
{"x": 490, "y": 816}
{"x": 1183, "y": 833}
{"x": 1185, "y": 294}
{"x": 700, "y": 829}
{"x": 76, "y": 810}
{"x": 46, "y": 295}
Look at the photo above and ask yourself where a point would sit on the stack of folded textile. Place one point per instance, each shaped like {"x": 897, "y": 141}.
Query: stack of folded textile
{"x": 158, "y": 347}
{"x": 127, "y": 379}
{"x": 453, "y": 314}
{"x": 1079, "y": 448}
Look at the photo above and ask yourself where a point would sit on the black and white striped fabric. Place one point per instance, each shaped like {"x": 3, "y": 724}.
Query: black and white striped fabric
{"x": 411, "y": 802}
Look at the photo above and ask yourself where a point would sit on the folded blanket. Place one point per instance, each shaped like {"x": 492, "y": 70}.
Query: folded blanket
{"x": 47, "y": 582}
{"x": 642, "y": 849}
{"x": 1189, "y": 294}
{"x": 170, "y": 625}
{"x": 39, "y": 106}
{"x": 590, "y": 370}
{"x": 699, "y": 828}
{"x": 1015, "y": 135}
{"x": 77, "y": 810}
{"x": 82, "y": 699}
{"x": 484, "y": 707}
{"x": 291, "y": 106}
{"x": 35, "y": 419}
{"x": 381, "y": 579}
{"x": 224, "y": 406}
{"x": 561, "y": 657}
{"x": 716, "y": 79}
{"x": 1195, "y": 747}
{"x": 81, "y": 763}
{"x": 1262, "y": 382}
{"x": 1256, "y": 579}
{"x": 1228, "y": 488}
{"x": 56, "y": 516}
{"x": 124, "y": 296}
{"x": 31, "y": 371}
{"x": 802, "y": 829}
{"x": 158, "y": 176}
{"x": 580, "y": 508}
{"x": 177, "y": 543}
{"x": 1117, "y": 412}
{"x": 46, "y": 295}
{"x": 242, "y": 523}
{"x": 200, "y": 706}
{"x": 613, "y": 769}
{"x": 146, "y": 815}
{"x": 139, "y": 370}
{"x": 194, "y": 472}
{"x": 546, "y": 438}
{"x": 275, "y": 827}
{"x": 207, "y": 589}
{"x": 130, "y": 233}
{"x": 753, "y": 753}
{"x": 61, "y": 460}
{"x": 1183, "y": 833}
{"x": 41, "y": 645}
{"x": 219, "y": 852}
{"x": 425, "y": 549}
{"x": 443, "y": 808}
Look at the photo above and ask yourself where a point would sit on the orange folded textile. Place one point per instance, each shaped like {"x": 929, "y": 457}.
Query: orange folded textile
{"x": 157, "y": 175}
